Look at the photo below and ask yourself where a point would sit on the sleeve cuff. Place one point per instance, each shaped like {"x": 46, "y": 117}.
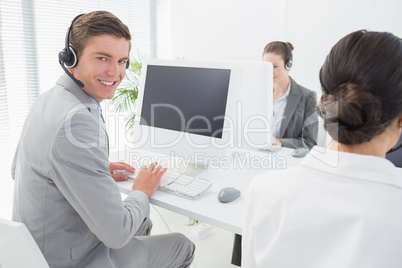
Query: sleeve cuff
{"x": 138, "y": 194}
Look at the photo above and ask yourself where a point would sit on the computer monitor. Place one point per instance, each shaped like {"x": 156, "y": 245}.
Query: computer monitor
{"x": 254, "y": 105}
{"x": 189, "y": 109}
{"x": 184, "y": 110}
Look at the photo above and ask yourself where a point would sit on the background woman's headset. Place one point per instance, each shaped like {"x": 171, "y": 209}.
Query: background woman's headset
{"x": 288, "y": 62}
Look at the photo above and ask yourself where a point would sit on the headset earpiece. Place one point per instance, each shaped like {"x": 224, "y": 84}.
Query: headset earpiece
{"x": 288, "y": 62}
{"x": 68, "y": 57}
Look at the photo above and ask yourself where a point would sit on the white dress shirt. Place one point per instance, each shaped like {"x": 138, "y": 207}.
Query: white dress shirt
{"x": 334, "y": 210}
{"x": 279, "y": 110}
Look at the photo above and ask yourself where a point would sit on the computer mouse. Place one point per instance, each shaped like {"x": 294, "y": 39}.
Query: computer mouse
{"x": 300, "y": 152}
{"x": 228, "y": 194}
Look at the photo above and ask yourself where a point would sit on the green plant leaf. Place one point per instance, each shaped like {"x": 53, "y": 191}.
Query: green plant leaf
{"x": 127, "y": 93}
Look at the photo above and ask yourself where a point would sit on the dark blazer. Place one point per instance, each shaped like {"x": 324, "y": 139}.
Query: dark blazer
{"x": 396, "y": 156}
{"x": 299, "y": 127}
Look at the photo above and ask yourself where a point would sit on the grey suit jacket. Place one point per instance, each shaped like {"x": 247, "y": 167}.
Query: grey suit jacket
{"x": 299, "y": 127}
{"x": 63, "y": 189}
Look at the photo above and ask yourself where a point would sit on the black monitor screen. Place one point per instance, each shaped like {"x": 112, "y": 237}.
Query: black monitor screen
{"x": 189, "y": 99}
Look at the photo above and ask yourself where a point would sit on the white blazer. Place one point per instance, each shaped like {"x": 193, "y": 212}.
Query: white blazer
{"x": 333, "y": 210}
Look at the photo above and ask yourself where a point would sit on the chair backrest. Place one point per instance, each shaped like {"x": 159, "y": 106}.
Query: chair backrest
{"x": 17, "y": 247}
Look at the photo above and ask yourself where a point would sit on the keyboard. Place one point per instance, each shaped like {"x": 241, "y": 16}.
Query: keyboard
{"x": 180, "y": 184}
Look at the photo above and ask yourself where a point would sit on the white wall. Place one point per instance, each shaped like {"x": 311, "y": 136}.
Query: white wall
{"x": 239, "y": 29}
{"x": 224, "y": 29}
{"x": 314, "y": 26}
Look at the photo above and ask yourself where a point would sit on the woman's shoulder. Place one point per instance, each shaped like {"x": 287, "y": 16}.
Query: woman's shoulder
{"x": 277, "y": 179}
{"x": 303, "y": 90}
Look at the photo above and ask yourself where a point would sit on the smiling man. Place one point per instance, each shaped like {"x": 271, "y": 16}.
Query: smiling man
{"x": 102, "y": 65}
{"x": 65, "y": 190}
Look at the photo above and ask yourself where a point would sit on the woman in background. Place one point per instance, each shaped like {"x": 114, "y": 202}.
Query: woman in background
{"x": 296, "y": 123}
{"x": 295, "y": 118}
{"x": 341, "y": 207}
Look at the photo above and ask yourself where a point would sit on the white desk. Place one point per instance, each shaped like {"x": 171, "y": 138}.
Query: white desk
{"x": 243, "y": 167}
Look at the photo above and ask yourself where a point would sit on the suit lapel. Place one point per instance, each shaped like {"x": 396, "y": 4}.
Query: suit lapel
{"x": 291, "y": 105}
{"x": 83, "y": 97}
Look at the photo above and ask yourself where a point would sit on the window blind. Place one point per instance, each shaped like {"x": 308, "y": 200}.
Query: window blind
{"x": 31, "y": 35}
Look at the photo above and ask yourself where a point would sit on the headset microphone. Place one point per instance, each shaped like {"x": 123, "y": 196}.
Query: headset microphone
{"x": 78, "y": 82}
{"x": 68, "y": 57}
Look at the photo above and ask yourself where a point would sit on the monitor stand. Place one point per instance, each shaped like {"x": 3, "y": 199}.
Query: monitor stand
{"x": 188, "y": 168}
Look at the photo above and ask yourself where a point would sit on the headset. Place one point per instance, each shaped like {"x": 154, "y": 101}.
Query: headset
{"x": 68, "y": 56}
{"x": 288, "y": 62}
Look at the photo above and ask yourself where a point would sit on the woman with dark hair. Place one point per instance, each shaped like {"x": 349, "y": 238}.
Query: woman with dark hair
{"x": 341, "y": 207}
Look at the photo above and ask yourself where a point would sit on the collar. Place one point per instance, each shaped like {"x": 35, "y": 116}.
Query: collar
{"x": 66, "y": 82}
{"x": 287, "y": 91}
{"x": 96, "y": 103}
{"x": 356, "y": 166}
{"x": 294, "y": 87}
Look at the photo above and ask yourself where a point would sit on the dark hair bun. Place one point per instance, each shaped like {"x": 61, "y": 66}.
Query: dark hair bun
{"x": 351, "y": 115}
{"x": 361, "y": 81}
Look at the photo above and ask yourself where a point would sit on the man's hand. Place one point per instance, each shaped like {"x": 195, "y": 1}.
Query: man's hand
{"x": 121, "y": 166}
{"x": 148, "y": 179}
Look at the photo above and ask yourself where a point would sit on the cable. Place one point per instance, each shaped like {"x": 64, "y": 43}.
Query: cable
{"x": 163, "y": 219}
{"x": 167, "y": 226}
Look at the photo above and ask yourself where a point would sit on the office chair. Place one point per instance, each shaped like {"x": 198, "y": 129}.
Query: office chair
{"x": 18, "y": 248}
